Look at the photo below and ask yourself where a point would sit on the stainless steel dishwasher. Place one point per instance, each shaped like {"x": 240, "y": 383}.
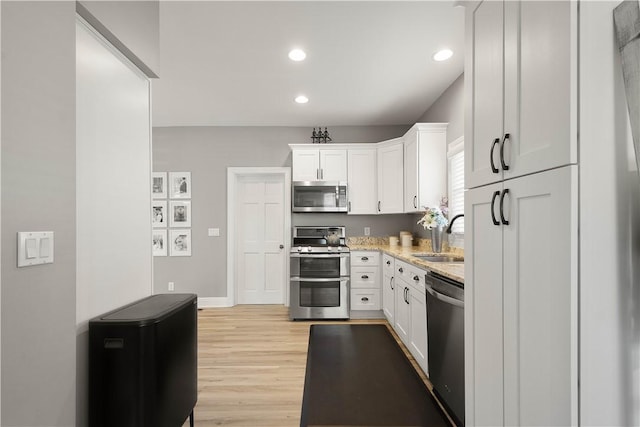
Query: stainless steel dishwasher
{"x": 445, "y": 331}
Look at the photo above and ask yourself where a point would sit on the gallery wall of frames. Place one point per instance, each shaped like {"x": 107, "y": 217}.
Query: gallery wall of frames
{"x": 171, "y": 213}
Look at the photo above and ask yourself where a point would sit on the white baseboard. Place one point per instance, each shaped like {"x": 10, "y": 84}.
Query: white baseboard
{"x": 212, "y": 302}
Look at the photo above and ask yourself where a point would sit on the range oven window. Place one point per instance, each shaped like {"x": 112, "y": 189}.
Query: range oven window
{"x": 312, "y": 267}
{"x": 320, "y": 294}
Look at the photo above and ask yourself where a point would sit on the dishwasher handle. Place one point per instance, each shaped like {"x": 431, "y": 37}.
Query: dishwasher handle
{"x": 444, "y": 298}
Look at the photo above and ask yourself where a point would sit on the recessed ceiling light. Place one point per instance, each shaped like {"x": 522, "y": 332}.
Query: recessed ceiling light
{"x": 301, "y": 99}
{"x": 442, "y": 55}
{"x": 297, "y": 55}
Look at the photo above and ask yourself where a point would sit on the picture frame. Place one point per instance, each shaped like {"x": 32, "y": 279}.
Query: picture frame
{"x": 180, "y": 213}
{"x": 159, "y": 242}
{"x": 159, "y": 185}
{"x": 180, "y": 185}
{"x": 180, "y": 242}
{"x": 159, "y": 213}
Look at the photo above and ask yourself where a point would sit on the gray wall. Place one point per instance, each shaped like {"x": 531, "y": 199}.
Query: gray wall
{"x": 207, "y": 152}
{"x": 38, "y": 306}
{"x": 449, "y": 108}
{"x": 38, "y": 193}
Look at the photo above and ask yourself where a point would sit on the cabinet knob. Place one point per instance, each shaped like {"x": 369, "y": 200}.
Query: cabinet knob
{"x": 364, "y": 276}
{"x": 400, "y": 270}
{"x": 364, "y": 258}
{"x": 364, "y": 299}
{"x": 388, "y": 262}
{"x": 416, "y": 278}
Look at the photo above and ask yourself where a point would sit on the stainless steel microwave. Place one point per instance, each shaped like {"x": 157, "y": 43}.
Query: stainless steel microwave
{"x": 319, "y": 196}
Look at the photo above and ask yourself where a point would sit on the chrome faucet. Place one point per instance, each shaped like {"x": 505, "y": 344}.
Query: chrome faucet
{"x": 452, "y": 221}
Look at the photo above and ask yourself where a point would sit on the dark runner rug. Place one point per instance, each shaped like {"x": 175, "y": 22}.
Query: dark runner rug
{"x": 357, "y": 375}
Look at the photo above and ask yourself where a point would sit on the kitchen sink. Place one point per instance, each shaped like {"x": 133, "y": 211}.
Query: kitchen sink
{"x": 439, "y": 258}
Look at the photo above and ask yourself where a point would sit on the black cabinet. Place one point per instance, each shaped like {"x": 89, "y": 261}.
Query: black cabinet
{"x": 143, "y": 363}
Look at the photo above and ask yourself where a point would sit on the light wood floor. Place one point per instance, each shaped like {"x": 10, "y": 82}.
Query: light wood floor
{"x": 251, "y": 366}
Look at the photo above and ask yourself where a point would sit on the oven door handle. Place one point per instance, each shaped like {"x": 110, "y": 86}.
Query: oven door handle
{"x": 444, "y": 298}
{"x": 323, "y": 280}
{"x": 297, "y": 255}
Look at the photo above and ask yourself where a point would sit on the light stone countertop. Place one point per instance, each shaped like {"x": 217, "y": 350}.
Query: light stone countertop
{"x": 453, "y": 271}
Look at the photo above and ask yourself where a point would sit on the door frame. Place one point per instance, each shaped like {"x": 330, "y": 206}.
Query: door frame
{"x": 234, "y": 174}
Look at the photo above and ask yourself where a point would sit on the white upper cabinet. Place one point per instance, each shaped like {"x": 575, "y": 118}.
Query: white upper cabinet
{"x": 313, "y": 164}
{"x": 390, "y": 176}
{"x": 522, "y": 72}
{"x": 363, "y": 186}
{"x": 425, "y": 166}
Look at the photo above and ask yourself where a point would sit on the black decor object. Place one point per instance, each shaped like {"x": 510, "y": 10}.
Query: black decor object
{"x": 357, "y": 375}
{"x": 320, "y": 137}
{"x": 143, "y": 363}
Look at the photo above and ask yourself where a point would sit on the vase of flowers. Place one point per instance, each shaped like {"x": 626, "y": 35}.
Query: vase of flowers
{"x": 435, "y": 219}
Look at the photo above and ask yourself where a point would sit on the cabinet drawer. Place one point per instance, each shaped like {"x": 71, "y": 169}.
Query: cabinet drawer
{"x": 411, "y": 274}
{"x": 365, "y": 277}
{"x": 365, "y": 258}
{"x": 365, "y": 299}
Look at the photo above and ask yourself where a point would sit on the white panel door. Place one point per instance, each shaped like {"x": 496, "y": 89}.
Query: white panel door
{"x": 418, "y": 329}
{"x": 402, "y": 314}
{"x": 306, "y": 165}
{"x": 363, "y": 188}
{"x": 483, "y": 305}
{"x": 261, "y": 257}
{"x": 388, "y": 288}
{"x": 540, "y": 83}
{"x": 333, "y": 165}
{"x": 486, "y": 25}
{"x": 540, "y": 296}
{"x": 411, "y": 203}
{"x": 391, "y": 178}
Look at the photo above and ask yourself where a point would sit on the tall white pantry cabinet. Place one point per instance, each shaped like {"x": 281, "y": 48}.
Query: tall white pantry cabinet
{"x": 521, "y": 239}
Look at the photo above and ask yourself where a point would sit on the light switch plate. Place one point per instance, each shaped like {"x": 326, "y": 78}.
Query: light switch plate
{"x": 35, "y": 248}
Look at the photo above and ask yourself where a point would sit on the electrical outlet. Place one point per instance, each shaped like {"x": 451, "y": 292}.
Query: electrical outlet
{"x": 367, "y": 231}
{"x": 171, "y": 287}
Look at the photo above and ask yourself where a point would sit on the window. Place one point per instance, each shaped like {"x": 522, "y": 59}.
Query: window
{"x": 455, "y": 158}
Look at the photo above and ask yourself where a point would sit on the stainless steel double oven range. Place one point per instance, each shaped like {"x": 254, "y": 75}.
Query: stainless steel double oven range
{"x": 319, "y": 273}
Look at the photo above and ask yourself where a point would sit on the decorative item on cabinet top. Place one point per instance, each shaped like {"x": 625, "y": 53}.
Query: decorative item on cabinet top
{"x": 320, "y": 137}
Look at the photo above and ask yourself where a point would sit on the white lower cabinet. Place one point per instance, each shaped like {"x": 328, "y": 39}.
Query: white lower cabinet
{"x": 388, "y": 288}
{"x": 521, "y": 335}
{"x": 418, "y": 328}
{"x": 411, "y": 311}
{"x": 365, "y": 280}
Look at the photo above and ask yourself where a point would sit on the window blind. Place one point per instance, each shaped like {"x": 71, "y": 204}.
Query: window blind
{"x": 456, "y": 187}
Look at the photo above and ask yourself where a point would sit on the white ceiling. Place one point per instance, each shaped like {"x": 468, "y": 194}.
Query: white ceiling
{"x": 368, "y": 63}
